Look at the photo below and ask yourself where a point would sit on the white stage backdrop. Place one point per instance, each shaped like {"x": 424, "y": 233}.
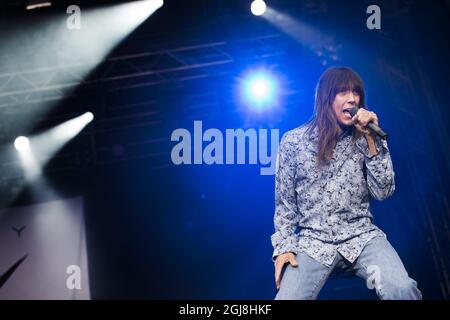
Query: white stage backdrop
{"x": 43, "y": 251}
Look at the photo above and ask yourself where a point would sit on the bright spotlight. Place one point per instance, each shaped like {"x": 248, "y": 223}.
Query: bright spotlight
{"x": 260, "y": 90}
{"x": 22, "y": 143}
{"x": 88, "y": 116}
{"x": 27, "y": 157}
{"x": 48, "y": 143}
{"x": 66, "y": 131}
{"x": 258, "y": 7}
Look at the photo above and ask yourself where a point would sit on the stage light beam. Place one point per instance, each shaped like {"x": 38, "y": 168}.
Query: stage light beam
{"x": 66, "y": 131}
{"x": 69, "y": 56}
{"x": 27, "y": 158}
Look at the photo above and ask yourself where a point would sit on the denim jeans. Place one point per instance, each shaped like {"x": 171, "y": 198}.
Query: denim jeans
{"x": 378, "y": 264}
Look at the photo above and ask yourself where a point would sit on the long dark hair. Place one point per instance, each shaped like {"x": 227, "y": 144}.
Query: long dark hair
{"x": 331, "y": 82}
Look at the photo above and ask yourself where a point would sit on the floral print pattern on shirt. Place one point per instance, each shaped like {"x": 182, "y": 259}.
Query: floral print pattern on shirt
{"x": 324, "y": 211}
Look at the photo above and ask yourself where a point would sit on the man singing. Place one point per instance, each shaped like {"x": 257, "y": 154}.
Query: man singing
{"x": 327, "y": 172}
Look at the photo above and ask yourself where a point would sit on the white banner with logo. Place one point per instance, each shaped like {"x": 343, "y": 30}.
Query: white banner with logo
{"x": 43, "y": 251}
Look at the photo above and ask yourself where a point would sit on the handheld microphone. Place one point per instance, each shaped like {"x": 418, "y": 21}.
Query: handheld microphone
{"x": 372, "y": 126}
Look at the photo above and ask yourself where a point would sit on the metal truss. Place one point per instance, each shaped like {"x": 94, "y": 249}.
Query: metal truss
{"x": 427, "y": 203}
{"x": 130, "y": 129}
{"x": 19, "y": 86}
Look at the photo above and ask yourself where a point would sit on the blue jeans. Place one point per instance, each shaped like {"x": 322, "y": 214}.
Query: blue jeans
{"x": 378, "y": 264}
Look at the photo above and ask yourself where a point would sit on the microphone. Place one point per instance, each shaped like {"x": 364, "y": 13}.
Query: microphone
{"x": 372, "y": 126}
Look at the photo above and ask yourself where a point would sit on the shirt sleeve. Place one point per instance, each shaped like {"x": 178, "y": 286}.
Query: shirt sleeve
{"x": 286, "y": 218}
{"x": 380, "y": 172}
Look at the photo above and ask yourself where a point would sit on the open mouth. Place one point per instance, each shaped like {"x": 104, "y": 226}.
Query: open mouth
{"x": 347, "y": 113}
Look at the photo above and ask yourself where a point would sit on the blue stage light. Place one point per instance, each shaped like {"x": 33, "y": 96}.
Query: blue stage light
{"x": 260, "y": 90}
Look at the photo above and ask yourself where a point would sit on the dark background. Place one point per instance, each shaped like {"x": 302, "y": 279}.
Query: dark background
{"x": 156, "y": 230}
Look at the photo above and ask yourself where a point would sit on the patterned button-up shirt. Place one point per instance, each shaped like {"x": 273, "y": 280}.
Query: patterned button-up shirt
{"x": 322, "y": 211}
